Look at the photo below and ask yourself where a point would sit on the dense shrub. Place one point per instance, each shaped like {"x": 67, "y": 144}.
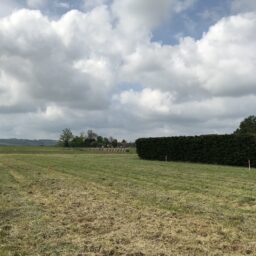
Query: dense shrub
{"x": 214, "y": 149}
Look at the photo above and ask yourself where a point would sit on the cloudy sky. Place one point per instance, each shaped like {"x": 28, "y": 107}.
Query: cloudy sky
{"x": 126, "y": 68}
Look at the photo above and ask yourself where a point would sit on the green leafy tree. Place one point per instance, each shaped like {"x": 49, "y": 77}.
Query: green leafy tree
{"x": 247, "y": 126}
{"x": 105, "y": 142}
{"x": 66, "y": 137}
{"x": 100, "y": 141}
{"x": 91, "y": 139}
{"x": 77, "y": 141}
{"x": 114, "y": 143}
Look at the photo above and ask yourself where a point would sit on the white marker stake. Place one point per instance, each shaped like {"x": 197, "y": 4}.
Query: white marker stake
{"x": 249, "y": 164}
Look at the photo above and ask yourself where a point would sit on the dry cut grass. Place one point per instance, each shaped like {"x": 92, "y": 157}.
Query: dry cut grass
{"x": 120, "y": 205}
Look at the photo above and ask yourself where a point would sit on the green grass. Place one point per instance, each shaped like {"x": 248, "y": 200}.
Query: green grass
{"x": 117, "y": 204}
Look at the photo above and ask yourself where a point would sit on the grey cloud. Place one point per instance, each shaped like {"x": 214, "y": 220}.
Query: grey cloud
{"x": 238, "y": 6}
{"x": 146, "y": 14}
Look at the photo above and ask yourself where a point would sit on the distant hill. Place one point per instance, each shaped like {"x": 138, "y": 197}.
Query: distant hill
{"x": 23, "y": 142}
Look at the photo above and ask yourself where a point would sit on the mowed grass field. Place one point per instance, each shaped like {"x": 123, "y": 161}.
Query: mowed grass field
{"x": 58, "y": 203}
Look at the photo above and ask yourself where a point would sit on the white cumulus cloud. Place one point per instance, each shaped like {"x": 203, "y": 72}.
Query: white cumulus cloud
{"x": 100, "y": 69}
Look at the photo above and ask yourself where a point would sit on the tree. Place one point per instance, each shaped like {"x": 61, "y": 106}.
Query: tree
{"x": 66, "y": 137}
{"x": 105, "y": 142}
{"x": 114, "y": 143}
{"x": 91, "y": 139}
{"x": 77, "y": 141}
{"x": 89, "y": 142}
{"x": 124, "y": 143}
{"x": 91, "y": 135}
{"x": 247, "y": 126}
{"x": 110, "y": 139}
{"x": 100, "y": 141}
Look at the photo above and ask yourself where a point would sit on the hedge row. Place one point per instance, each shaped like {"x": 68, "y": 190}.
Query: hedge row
{"x": 213, "y": 149}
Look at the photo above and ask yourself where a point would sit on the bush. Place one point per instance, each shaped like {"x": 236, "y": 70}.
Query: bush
{"x": 213, "y": 149}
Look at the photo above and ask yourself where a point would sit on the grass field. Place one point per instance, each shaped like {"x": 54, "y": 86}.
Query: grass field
{"x": 54, "y": 150}
{"x": 53, "y": 203}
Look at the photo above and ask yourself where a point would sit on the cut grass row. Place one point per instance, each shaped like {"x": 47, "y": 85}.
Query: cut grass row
{"x": 207, "y": 209}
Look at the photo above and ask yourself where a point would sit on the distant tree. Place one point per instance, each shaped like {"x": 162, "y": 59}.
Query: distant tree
{"x": 124, "y": 143}
{"x": 105, "y": 142}
{"x": 90, "y": 139}
{"x": 91, "y": 135}
{"x": 89, "y": 142}
{"x": 94, "y": 144}
{"x": 114, "y": 143}
{"x": 247, "y": 126}
{"x": 82, "y": 135}
{"x": 77, "y": 141}
{"x": 100, "y": 141}
{"x": 110, "y": 139}
{"x": 66, "y": 137}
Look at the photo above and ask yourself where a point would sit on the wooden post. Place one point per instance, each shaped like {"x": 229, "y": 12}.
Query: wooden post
{"x": 249, "y": 164}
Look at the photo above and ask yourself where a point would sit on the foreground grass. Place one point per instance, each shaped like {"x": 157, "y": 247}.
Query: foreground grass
{"x": 116, "y": 204}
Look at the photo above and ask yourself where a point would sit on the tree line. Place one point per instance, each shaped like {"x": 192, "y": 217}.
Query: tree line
{"x": 90, "y": 140}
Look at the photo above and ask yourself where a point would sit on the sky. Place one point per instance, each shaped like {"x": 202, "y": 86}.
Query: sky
{"x": 126, "y": 68}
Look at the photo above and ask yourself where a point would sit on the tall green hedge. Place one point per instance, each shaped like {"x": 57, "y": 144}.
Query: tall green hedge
{"x": 213, "y": 149}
